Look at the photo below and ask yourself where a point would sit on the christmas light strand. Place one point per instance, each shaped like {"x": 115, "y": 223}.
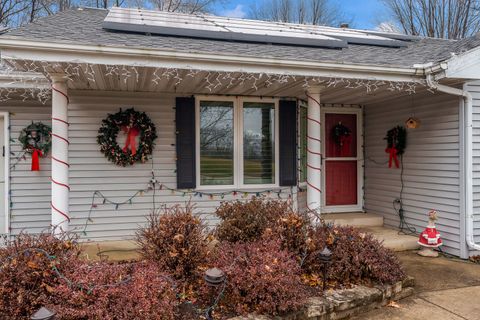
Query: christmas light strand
{"x": 57, "y": 154}
{"x": 154, "y": 185}
{"x": 213, "y": 79}
{"x": 312, "y": 141}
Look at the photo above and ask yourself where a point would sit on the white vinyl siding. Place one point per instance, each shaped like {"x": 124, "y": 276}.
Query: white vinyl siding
{"x": 90, "y": 170}
{"x": 29, "y": 191}
{"x": 474, "y": 89}
{"x": 431, "y": 162}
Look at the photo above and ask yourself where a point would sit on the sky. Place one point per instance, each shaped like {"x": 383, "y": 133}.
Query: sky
{"x": 366, "y": 14}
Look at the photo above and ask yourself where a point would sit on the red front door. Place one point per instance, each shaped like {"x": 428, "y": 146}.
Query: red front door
{"x": 341, "y": 162}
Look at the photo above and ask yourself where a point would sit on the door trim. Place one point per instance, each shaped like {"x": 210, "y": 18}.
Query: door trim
{"x": 360, "y": 161}
{"x": 6, "y": 195}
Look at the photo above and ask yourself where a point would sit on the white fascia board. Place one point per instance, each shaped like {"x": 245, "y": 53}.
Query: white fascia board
{"x": 464, "y": 66}
{"x": 13, "y": 48}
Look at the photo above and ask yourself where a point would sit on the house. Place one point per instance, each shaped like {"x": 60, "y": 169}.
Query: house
{"x": 240, "y": 108}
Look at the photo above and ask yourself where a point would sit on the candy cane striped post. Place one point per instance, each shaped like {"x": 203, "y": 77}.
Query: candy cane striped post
{"x": 314, "y": 150}
{"x": 60, "y": 166}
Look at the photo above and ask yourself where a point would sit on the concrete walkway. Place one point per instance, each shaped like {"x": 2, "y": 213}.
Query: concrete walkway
{"x": 445, "y": 289}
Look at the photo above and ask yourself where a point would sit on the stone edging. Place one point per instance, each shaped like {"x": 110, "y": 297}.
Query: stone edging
{"x": 342, "y": 304}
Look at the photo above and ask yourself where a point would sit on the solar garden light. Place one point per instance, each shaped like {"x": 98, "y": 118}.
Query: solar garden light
{"x": 214, "y": 277}
{"x": 326, "y": 259}
{"x": 43, "y": 314}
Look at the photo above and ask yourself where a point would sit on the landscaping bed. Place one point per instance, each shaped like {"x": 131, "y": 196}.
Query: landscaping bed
{"x": 272, "y": 261}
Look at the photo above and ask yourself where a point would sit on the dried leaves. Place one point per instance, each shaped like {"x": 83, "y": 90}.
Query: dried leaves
{"x": 27, "y": 275}
{"x": 175, "y": 239}
{"x": 262, "y": 278}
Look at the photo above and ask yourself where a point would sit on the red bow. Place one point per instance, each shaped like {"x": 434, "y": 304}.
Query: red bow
{"x": 393, "y": 152}
{"x": 345, "y": 142}
{"x": 36, "y": 154}
{"x": 132, "y": 133}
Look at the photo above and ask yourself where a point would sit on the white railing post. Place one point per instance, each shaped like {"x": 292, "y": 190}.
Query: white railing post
{"x": 60, "y": 165}
{"x": 314, "y": 150}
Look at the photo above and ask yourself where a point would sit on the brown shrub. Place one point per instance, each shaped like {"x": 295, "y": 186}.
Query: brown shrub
{"x": 261, "y": 278}
{"x": 175, "y": 239}
{"x": 248, "y": 221}
{"x": 356, "y": 257}
{"x": 109, "y": 291}
{"x": 27, "y": 272}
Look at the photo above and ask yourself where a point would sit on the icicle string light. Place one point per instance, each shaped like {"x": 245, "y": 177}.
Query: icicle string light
{"x": 213, "y": 79}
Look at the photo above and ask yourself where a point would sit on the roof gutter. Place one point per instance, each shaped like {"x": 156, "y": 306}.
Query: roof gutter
{"x": 15, "y": 48}
{"x": 466, "y": 173}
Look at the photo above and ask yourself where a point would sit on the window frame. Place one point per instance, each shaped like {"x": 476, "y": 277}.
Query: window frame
{"x": 238, "y": 159}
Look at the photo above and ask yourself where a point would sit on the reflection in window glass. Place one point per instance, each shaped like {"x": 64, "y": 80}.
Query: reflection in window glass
{"x": 258, "y": 143}
{"x": 216, "y": 143}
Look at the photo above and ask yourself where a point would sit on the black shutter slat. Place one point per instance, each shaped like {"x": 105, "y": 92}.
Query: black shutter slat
{"x": 185, "y": 142}
{"x": 288, "y": 142}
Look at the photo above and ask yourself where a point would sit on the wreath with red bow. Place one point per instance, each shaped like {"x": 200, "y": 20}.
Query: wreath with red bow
{"x": 396, "y": 144}
{"x": 36, "y": 139}
{"x": 342, "y": 136}
{"x": 341, "y": 133}
{"x": 134, "y": 124}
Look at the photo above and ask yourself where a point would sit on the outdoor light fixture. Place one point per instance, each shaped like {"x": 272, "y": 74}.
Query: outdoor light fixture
{"x": 214, "y": 277}
{"x": 43, "y": 314}
{"x": 325, "y": 258}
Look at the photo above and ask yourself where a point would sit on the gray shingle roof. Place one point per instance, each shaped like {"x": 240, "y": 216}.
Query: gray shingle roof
{"x": 84, "y": 26}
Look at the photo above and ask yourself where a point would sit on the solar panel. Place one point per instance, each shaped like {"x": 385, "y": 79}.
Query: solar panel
{"x": 222, "y": 28}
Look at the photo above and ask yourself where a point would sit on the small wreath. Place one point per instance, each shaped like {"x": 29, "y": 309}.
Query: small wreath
{"x": 397, "y": 139}
{"x": 36, "y": 139}
{"x": 396, "y": 144}
{"x": 133, "y": 124}
{"x": 340, "y": 134}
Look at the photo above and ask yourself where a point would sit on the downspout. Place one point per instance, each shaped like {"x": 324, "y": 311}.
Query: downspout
{"x": 468, "y": 156}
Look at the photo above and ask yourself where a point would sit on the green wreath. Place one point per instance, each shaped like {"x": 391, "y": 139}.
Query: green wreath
{"x": 397, "y": 139}
{"x": 132, "y": 123}
{"x": 36, "y": 136}
{"x": 340, "y": 133}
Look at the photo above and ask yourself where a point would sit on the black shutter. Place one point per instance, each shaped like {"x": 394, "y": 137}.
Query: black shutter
{"x": 185, "y": 130}
{"x": 288, "y": 142}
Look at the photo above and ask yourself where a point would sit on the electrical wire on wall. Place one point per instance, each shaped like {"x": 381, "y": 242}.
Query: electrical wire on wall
{"x": 404, "y": 226}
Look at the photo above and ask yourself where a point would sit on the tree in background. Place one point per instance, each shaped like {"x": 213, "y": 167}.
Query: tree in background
{"x": 316, "y": 12}
{"x": 14, "y": 13}
{"x": 186, "y": 6}
{"x": 450, "y": 19}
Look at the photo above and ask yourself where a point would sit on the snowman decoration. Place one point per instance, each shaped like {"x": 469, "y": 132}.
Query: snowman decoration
{"x": 430, "y": 237}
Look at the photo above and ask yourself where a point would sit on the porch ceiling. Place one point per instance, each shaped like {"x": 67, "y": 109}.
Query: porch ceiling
{"x": 336, "y": 90}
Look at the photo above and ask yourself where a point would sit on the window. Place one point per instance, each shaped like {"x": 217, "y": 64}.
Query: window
{"x": 236, "y": 142}
{"x": 258, "y": 143}
{"x": 216, "y": 143}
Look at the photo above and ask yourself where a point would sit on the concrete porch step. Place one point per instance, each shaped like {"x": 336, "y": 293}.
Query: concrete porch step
{"x": 373, "y": 223}
{"x": 355, "y": 219}
{"x": 392, "y": 239}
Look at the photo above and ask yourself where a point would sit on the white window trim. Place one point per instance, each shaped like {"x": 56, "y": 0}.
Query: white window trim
{"x": 238, "y": 160}
{"x": 6, "y": 195}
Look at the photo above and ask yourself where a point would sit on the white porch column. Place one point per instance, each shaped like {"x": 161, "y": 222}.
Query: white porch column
{"x": 314, "y": 149}
{"x": 60, "y": 166}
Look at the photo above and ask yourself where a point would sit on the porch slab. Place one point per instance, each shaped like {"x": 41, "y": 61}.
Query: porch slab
{"x": 355, "y": 219}
{"x": 110, "y": 250}
{"x": 392, "y": 239}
